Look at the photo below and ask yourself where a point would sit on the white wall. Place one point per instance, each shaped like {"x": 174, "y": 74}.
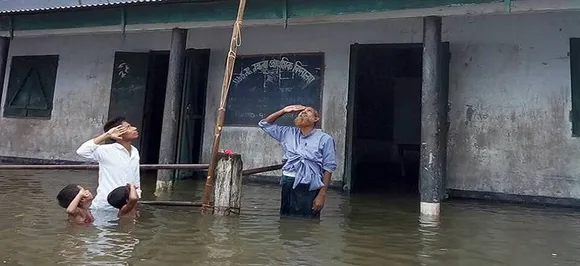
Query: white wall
{"x": 509, "y": 91}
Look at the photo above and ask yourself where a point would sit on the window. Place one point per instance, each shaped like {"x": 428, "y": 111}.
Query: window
{"x": 31, "y": 86}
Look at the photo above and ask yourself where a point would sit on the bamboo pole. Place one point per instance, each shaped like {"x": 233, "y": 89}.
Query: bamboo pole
{"x": 234, "y": 43}
{"x": 95, "y": 166}
{"x": 171, "y": 203}
{"x": 245, "y": 173}
{"x": 199, "y": 167}
{"x": 253, "y": 171}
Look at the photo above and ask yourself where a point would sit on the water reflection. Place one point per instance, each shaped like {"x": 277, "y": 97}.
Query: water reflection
{"x": 429, "y": 239}
{"x": 301, "y": 239}
{"x": 361, "y": 230}
{"x": 106, "y": 242}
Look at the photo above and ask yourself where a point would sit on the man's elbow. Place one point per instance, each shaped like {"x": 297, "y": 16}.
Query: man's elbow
{"x": 265, "y": 124}
{"x": 262, "y": 124}
{"x": 86, "y": 152}
{"x": 329, "y": 169}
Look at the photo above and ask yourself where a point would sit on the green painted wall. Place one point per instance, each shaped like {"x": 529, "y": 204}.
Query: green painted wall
{"x": 218, "y": 11}
{"x": 69, "y": 19}
{"x": 339, "y": 7}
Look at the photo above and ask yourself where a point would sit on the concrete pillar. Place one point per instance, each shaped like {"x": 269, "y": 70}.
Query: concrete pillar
{"x": 171, "y": 110}
{"x": 433, "y": 114}
{"x": 4, "y": 47}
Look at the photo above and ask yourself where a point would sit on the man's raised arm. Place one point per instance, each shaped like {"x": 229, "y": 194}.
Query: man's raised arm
{"x": 275, "y": 131}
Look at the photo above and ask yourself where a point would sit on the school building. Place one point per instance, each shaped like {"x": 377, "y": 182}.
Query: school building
{"x": 488, "y": 90}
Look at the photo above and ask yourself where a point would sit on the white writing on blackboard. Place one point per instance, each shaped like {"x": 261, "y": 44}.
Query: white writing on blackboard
{"x": 249, "y": 115}
{"x": 283, "y": 65}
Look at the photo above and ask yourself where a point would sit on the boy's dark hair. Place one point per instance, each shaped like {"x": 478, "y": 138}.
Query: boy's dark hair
{"x": 118, "y": 197}
{"x": 67, "y": 195}
{"x": 117, "y": 121}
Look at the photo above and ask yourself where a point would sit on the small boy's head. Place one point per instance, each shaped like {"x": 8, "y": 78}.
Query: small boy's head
{"x": 118, "y": 197}
{"x": 68, "y": 194}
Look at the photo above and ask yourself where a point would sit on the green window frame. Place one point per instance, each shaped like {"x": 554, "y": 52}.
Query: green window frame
{"x": 31, "y": 85}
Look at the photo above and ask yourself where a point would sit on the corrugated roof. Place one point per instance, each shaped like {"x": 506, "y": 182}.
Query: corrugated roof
{"x": 26, "y": 6}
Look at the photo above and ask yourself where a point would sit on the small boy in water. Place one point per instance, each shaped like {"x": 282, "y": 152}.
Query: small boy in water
{"x": 77, "y": 202}
{"x": 125, "y": 199}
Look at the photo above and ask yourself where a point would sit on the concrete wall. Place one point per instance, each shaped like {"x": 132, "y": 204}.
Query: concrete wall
{"x": 510, "y": 94}
{"x": 509, "y": 90}
{"x": 81, "y": 97}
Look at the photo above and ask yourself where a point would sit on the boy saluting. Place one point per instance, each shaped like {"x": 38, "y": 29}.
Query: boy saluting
{"x": 118, "y": 162}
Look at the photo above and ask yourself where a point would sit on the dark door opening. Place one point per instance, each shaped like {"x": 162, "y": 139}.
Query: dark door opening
{"x": 193, "y": 110}
{"x": 384, "y": 123}
{"x": 138, "y": 93}
{"x": 153, "y": 109}
{"x": 128, "y": 88}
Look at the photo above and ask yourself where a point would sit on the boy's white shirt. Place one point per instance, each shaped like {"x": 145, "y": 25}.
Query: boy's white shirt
{"x": 116, "y": 168}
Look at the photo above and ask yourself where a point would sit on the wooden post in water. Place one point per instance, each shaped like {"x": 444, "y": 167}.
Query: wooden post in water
{"x": 234, "y": 43}
{"x": 228, "y": 184}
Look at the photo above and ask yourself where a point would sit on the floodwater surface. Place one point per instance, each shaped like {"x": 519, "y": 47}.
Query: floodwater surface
{"x": 357, "y": 230}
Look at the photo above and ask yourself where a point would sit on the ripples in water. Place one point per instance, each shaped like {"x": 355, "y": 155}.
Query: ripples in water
{"x": 361, "y": 230}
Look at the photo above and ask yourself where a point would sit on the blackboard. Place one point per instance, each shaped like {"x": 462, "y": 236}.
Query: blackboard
{"x": 263, "y": 84}
{"x": 128, "y": 88}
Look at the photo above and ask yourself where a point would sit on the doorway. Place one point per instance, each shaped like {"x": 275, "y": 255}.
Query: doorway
{"x": 192, "y": 115}
{"x": 138, "y": 93}
{"x": 384, "y": 119}
{"x": 153, "y": 109}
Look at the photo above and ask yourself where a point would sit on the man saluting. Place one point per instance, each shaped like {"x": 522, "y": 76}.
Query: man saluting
{"x": 310, "y": 161}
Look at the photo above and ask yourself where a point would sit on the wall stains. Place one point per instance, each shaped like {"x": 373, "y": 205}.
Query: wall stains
{"x": 512, "y": 133}
{"x": 468, "y": 114}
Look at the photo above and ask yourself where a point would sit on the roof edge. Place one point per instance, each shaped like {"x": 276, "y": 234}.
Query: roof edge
{"x": 101, "y": 6}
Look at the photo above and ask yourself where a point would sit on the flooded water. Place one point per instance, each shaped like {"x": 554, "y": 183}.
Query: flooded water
{"x": 369, "y": 230}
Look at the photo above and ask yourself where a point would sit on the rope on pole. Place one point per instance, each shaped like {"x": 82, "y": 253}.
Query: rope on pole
{"x": 234, "y": 43}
